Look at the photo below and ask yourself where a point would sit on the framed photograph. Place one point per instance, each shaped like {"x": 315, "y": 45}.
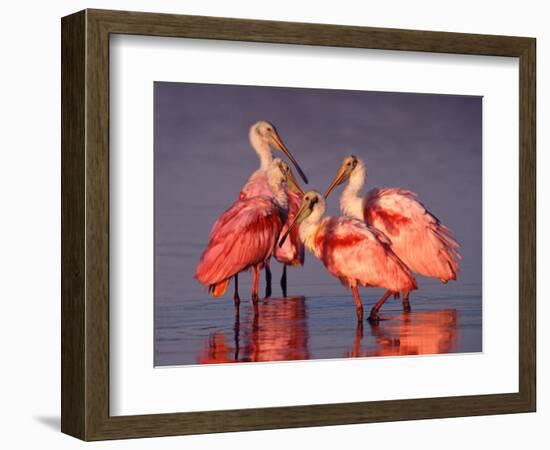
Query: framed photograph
{"x": 271, "y": 225}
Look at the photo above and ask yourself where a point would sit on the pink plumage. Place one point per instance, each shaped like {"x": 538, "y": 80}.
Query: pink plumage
{"x": 243, "y": 237}
{"x": 292, "y": 250}
{"x": 417, "y": 236}
{"x": 257, "y": 185}
{"x": 360, "y": 255}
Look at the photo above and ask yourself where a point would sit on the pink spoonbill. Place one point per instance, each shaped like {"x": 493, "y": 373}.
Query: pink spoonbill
{"x": 244, "y": 236}
{"x": 351, "y": 251}
{"x": 420, "y": 240}
{"x": 263, "y": 138}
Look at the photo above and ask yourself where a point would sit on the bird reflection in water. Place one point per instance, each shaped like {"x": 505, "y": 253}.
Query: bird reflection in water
{"x": 418, "y": 333}
{"x": 273, "y": 330}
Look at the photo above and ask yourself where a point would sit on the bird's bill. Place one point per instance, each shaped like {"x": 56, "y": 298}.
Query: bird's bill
{"x": 278, "y": 143}
{"x": 293, "y": 184}
{"x": 340, "y": 177}
{"x": 303, "y": 213}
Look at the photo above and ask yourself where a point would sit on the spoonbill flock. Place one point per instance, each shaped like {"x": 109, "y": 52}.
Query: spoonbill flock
{"x": 378, "y": 241}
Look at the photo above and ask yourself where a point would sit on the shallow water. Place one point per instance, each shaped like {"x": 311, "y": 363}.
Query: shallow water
{"x": 211, "y": 331}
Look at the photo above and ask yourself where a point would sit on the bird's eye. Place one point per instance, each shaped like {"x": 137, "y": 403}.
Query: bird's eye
{"x": 307, "y": 199}
{"x": 348, "y": 164}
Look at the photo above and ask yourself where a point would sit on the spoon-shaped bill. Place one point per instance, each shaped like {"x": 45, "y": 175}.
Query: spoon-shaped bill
{"x": 278, "y": 143}
{"x": 303, "y": 213}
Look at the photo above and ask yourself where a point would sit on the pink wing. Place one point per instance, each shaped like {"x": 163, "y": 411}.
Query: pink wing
{"x": 292, "y": 251}
{"x": 358, "y": 254}
{"x": 417, "y": 236}
{"x": 242, "y": 237}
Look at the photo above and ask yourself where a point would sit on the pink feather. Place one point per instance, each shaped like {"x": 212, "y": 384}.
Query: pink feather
{"x": 244, "y": 236}
{"x": 360, "y": 255}
{"x": 425, "y": 245}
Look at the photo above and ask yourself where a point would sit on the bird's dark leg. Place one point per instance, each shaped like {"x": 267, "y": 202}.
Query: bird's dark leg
{"x": 406, "y": 303}
{"x": 236, "y": 332}
{"x": 283, "y": 280}
{"x": 374, "y": 311}
{"x": 267, "y": 280}
{"x": 236, "y": 297}
{"x": 255, "y": 285}
{"x": 358, "y": 304}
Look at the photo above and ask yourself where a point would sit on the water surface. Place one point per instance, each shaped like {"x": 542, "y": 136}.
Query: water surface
{"x": 210, "y": 331}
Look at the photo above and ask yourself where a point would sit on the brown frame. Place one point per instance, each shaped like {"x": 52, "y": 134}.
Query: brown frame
{"x": 85, "y": 224}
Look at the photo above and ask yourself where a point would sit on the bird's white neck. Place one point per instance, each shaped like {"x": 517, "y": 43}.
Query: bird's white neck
{"x": 262, "y": 149}
{"x": 265, "y": 157}
{"x": 277, "y": 185}
{"x": 351, "y": 202}
{"x": 309, "y": 228}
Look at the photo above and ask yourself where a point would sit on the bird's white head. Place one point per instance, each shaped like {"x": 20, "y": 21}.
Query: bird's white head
{"x": 351, "y": 167}
{"x": 287, "y": 176}
{"x": 263, "y": 137}
{"x": 311, "y": 210}
{"x": 280, "y": 177}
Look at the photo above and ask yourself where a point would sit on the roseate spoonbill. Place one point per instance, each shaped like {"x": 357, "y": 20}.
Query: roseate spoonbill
{"x": 244, "y": 237}
{"x": 425, "y": 245}
{"x": 292, "y": 252}
{"x": 263, "y": 136}
{"x": 352, "y": 251}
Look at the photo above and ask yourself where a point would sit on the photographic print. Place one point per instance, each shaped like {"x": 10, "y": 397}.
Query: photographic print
{"x": 299, "y": 224}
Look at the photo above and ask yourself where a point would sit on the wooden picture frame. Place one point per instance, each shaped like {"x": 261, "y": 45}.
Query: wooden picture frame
{"x": 85, "y": 224}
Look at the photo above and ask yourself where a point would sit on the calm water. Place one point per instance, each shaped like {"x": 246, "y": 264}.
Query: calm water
{"x": 209, "y": 331}
{"x": 430, "y": 144}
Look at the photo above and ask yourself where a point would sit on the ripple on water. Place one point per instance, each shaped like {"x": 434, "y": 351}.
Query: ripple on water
{"x": 208, "y": 331}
